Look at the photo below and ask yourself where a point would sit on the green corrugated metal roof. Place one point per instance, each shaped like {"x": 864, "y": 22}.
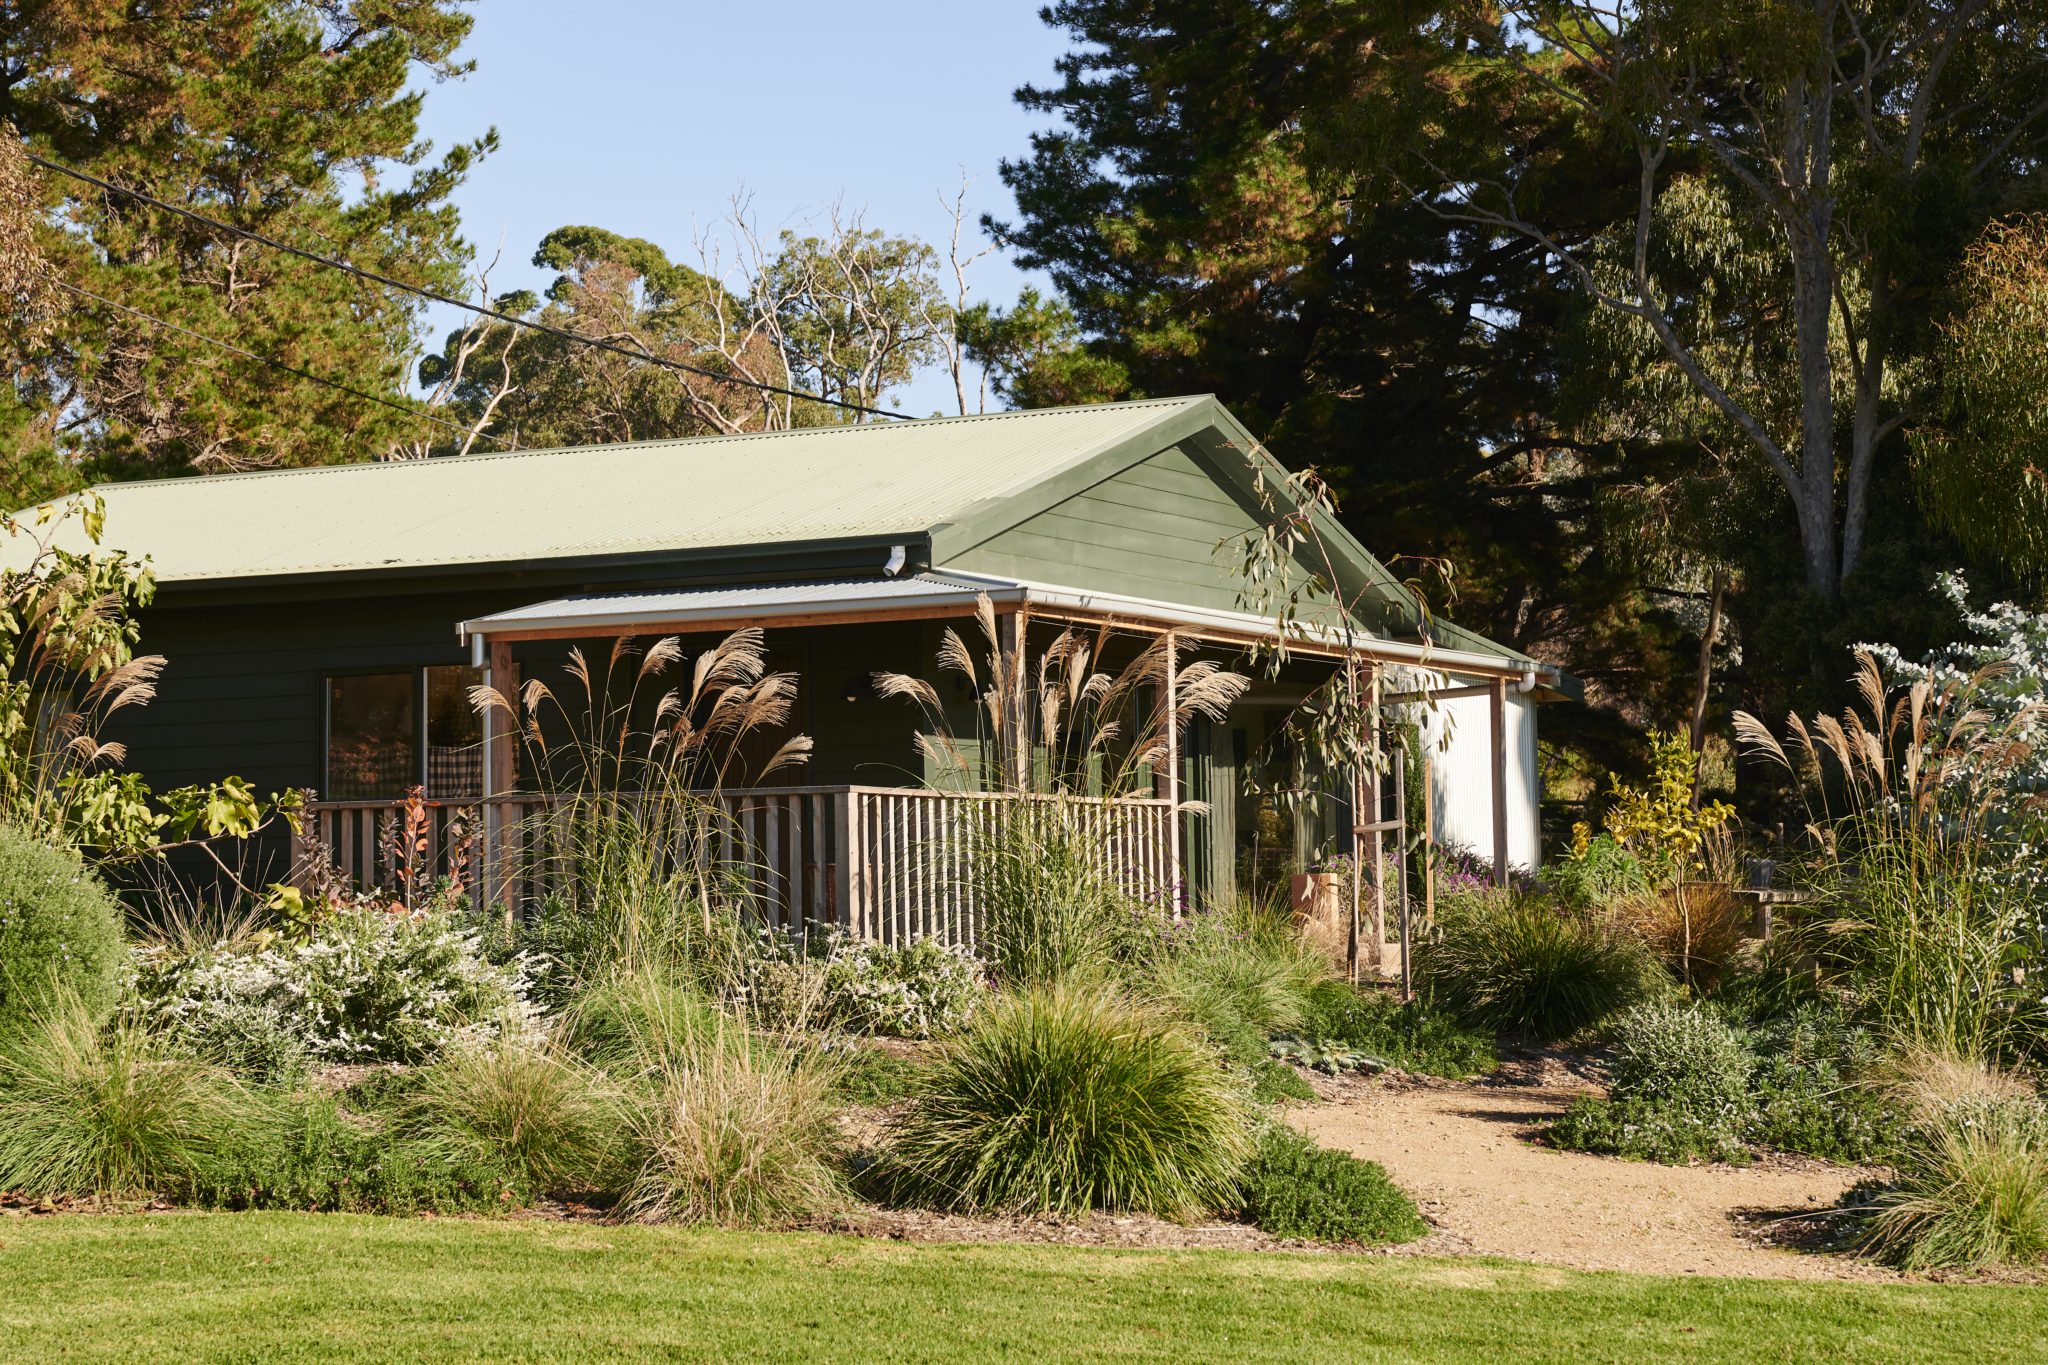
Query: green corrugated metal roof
{"x": 823, "y": 483}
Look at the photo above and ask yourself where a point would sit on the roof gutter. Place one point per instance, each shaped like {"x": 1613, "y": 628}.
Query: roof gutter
{"x": 1045, "y": 599}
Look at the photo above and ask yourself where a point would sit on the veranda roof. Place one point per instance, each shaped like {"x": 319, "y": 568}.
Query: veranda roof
{"x": 951, "y": 593}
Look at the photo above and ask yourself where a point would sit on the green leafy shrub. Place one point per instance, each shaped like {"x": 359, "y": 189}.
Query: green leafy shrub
{"x": 370, "y": 984}
{"x": 915, "y": 989}
{"x": 311, "y": 1152}
{"x": 1812, "y": 1090}
{"x": 1598, "y": 873}
{"x": 1645, "y": 1131}
{"x": 1679, "y": 1084}
{"x": 1517, "y": 963}
{"x": 1972, "y": 1191}
{"x": 1294, "y": 1188}
{"x": 519, "y": 1106}
{"x": 1066, "y": 1099}
{"x": 1414, "y": 1037}
{"x": 918, "y": 989}
{"x": 1680, "y": 1055}
{"x": 60, "y": 931}
{"x": 88, "y": 1109}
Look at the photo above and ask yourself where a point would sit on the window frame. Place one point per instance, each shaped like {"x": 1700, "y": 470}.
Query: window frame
{"x": 420, "y": 720}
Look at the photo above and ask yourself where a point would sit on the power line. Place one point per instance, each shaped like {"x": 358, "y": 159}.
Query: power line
{"x": 336, "y": 263}
{"x": 278, "y": 364}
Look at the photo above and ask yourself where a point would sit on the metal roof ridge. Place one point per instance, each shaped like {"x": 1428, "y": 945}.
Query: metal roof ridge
{"x": 443, "y": 461}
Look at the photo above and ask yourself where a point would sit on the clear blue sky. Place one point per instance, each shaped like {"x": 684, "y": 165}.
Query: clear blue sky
{"x": 645, "y": 117}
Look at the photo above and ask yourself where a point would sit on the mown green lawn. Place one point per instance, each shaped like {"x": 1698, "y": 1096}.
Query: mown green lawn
{"x": 293, "y": 1287}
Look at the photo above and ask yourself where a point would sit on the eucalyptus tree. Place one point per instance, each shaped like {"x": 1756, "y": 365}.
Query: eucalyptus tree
{"x": 1806, "y": 176}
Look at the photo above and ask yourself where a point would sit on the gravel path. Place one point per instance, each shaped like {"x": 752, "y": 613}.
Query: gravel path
{"x": 1463, "y": 1150}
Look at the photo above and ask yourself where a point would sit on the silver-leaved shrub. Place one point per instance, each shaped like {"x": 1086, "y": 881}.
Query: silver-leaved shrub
{"x": 368, "y": 984}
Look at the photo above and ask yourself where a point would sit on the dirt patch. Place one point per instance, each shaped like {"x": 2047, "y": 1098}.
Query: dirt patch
{"x": 1464, "y": 1151}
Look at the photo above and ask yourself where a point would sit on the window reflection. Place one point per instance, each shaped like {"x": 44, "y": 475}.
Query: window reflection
{"x": 455, "y": 734}
{"x": 372, "y": 736}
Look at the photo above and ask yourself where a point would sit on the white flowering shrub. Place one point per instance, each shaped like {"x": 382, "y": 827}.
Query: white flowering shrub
{"x": 917, "y": 989}
{"x": 909, "y": 990}
{"x": 2004, "y": 666}
{"x": 369, "y": 984}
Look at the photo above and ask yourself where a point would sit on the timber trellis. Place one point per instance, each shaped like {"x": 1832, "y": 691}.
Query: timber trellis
{"x": 882, "y": 863}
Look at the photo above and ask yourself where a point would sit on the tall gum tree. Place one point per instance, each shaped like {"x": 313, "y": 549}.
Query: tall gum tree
{"x": 1859, "y": 145}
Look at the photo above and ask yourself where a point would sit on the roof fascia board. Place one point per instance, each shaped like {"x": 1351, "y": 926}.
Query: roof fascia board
{"x": 854, "y": 553}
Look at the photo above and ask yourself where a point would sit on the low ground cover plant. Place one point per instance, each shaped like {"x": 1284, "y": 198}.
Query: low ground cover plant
{"x": 1415, "y": 1036}
{"x": 1294, "y": 1188}
{"x": 1686, "y": 1085}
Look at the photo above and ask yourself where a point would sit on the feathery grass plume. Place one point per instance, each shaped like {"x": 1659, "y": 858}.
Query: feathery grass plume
{"x": 1061, "y": 722}
{"x": 521, "y": 1105}
{"x": 1918, "y": 916}
{"x": 1972, "y": 1191}
{"x": 1065, "y": 1099}
{"x": 633, "y": 844}
{"x": 1517, "y": 963}
{"x": 108, "y": 1111}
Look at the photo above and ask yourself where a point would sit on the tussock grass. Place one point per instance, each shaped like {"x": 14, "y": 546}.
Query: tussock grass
{"x": 519, "y": 1105}
{"x": 1065, "y": 1099}
{"x": 1518, "y": 964}
{"x": 1972, "y": 1191}
{"x": 735, "y": 1131}
{"x": 106, "y": 1110}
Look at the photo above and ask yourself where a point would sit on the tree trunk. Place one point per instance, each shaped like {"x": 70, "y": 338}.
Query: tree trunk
{"x": 1705, "y": 679}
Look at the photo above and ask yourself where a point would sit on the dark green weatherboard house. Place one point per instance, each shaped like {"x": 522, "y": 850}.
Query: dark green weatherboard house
{"x": 323, "y": 626}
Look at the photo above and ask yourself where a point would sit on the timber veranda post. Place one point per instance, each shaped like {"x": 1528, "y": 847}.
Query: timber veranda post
{"x": 1497, "y": 735}
{"x": 1172, "y": 784}
{"x": 499, "y": 865}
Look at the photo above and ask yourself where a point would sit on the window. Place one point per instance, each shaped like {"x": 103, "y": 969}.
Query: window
{"x": 390, "y": 732}
{"x": 455, "y": 734}
{"x": 371, "y": 734}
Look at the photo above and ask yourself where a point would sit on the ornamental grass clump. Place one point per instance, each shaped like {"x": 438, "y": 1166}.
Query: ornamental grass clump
{"x": 1972, "y": 1191}
{"x": 733, "y": 1130}
{"x": 521, "y": 1106}
{"x": 1069, "y": 1098}
{"x": 1518, "y": 963}
{"x": 1236, "y": 974}
{"x": 106, "y": 1110}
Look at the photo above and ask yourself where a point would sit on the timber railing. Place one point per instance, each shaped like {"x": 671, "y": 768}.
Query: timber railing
{"x": 884, "y": 863}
